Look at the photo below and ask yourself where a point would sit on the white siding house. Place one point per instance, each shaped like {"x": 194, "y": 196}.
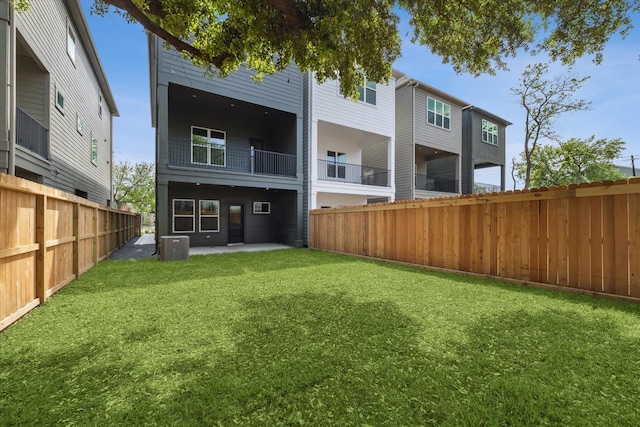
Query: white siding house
{"x": 57, "y": 108}
{"x": 349, "y": 144}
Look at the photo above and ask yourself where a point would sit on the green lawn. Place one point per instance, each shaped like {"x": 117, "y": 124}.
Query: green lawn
{"x": 300, "y": 337}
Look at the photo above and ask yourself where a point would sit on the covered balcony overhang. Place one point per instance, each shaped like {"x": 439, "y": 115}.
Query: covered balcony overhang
{"x": 437, "y": 172}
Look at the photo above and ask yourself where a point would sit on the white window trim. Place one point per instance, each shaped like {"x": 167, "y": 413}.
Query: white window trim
{"x": 259, "y": 211}
{"x": 99, "y": 105}
{"x": 79, "y": 124}
{"x": 94, "y": 143}
{"x": 74, "y": 36}
{"x": 224, "y": 147}
{"x": 340, "y": 94}
{"x": 59, "y": 93}
{"x": 192, "y": 216}
{"x": 495, "y": 144}
{"x": 204, "y": 230}
{"x": 435, "y": 113}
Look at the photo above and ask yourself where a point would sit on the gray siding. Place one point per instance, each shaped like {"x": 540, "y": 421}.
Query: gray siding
{"x": 432, "y": 136}
{"x": 281, "y": 90}
{"x": 31, "y": 90}
{"x": 376, "y": 155}
{"x": 306, "y": 141}
{"x": 44, "y": 30}
{"x": 404, "y": 144}
{"x": 279, "y": 226}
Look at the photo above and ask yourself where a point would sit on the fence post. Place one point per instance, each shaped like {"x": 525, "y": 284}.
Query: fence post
{"x": 94, "y": 246}
{"x": 41, "y": 258}
{"x": 76, "y": 240}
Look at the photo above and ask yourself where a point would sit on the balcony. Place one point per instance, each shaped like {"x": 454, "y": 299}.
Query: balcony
{"x": 31, "y": 135}
{"x": 435, "y": 183}
{"x": 480, "y": 188}
{"x": 230, "y": 158}
{"x": 352, "y": 174}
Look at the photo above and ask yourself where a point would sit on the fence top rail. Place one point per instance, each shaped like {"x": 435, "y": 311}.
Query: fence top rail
{"x": 13, "y": 183}
{"x": 592, "y": 189}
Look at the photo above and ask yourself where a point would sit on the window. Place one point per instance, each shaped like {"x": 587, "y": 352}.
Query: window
{"x": 71, "y": 43}
{"x": 79, "y": 124}
{"x": 183, "y": 215}
{"x": 336, "y": 164}
{"x": 367, "y": 93}
{"x": 489, "y": 132}
{"x": 207, "y": 146}
{"x": 99, "y": 105}
{"x": 262, "y": 208}
{"x": 209, "y": 215}
{"x": 438, "y": 113}
{"x": 94, "y": 151}
{"x": 59, "y": 100}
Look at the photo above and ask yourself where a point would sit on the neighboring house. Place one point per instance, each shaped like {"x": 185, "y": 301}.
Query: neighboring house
{"x": 56, "y": 107}
{"x": 483, "y": 146}
{"x": 629, "y": 171}
{"x": 349, "y": 145}
{"x": 428, "y": 141}
{"x": 228, "y": 153}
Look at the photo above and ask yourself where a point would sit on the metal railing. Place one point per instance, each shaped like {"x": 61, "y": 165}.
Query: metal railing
{"x": 31, "y": 135}
{"x": 479, "y": 188}
{"x": 435, "y": 183}
{"x": 230, "y": 158}
{"x": 352, "y": 174}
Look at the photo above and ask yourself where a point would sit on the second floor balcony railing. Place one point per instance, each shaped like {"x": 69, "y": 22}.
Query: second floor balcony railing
{"x": 435, "y": 183}
{"x": 230, "y": 158}
{"x": 352, "y": 174}
{"x": 479, "y": 188}
{"x": 31, "y": 135}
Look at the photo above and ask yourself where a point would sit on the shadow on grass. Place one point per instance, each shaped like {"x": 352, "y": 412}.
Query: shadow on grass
{"x": 323, "y": 359}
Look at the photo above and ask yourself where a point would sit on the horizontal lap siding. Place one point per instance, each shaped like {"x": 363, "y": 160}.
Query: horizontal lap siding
{"x": 44, "y": 28}
{"x": 585, "y": 237}
{"x": 404, "y": 163}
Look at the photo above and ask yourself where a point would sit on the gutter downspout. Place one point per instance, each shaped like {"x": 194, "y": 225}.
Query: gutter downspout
{"x": 414, "y": 84}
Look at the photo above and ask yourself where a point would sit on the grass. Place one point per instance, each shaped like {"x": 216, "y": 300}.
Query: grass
{"x": 300, "y": 337}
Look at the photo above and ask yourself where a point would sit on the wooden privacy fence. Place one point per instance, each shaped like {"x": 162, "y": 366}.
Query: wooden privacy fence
{"x": 581, "y": 236}
{"x": 47, "y": 239}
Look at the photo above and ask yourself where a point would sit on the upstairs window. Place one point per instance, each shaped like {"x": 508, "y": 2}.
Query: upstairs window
{"x": 489, "y": 132}
{"x": 99, "y": 105}
{"x": 367, "y": 93}
{"x": 94, "y": 151}
{"x": 336, "y": 165}
{"x": 438, "y": 113}
{"x": 208, "y": 146}
{"x": 71, "y": 43}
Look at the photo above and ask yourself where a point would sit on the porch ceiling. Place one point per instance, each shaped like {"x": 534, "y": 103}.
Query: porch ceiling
{"x": 190, "y": 98}
{"x": 362, "y": 137}
{"x": 429, "y": 153}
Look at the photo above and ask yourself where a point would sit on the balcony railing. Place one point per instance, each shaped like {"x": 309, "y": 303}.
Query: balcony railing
{"x": 31, "y": 135}
{"x": 435, "y": 183}
{"x": 230, "y": 158}
{"x": 479, "y": 188}
{"x": 352, "y": 174}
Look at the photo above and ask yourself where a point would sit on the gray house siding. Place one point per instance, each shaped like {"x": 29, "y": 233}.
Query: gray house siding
{"x": 477, "y": 153}
{"x": 404, "y": 158}
{"x": 43, "y": 66}
{"x": 306, "y": 120}
{"x": 278, "y": 226}
{"x": 433, "y": 136}
{"x": 267, "y": 117}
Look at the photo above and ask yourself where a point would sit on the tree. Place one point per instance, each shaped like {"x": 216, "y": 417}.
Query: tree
{"x": 339, "y": 38}
{"x": 134, "y": 186}
{"x": 572, "y": 162}
{"x": 544, "y": 100}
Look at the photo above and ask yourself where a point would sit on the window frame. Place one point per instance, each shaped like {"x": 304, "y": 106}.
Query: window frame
{"x": 72, "y": 49}
{"x": 201, "y": 216}
{"x": 59, "y": 94}
{"x": 79, "y": 124}
{"x": 174, "y": 216}
{"x": 363, "y": 91}
{"x": 338, "y": 166}
{"x": 488, "y": 136}
{"x": 209, "y": 146}
{"x": 99, "y": 104}
{"x": 258, "y": 208}
{"x": 444, "y": 113}
{"x": 94, "y": 150}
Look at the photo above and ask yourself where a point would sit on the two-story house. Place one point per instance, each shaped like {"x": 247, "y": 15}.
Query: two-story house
{"x": 349, "y": 145}
{"x": 56, "y": 107}
{"x": 428, "y": 141}
{"x": 228, "y": 153}
{"x": 483, "y": 146}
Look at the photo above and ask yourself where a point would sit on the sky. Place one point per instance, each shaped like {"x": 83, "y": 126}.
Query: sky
{"x": 613, "y": 90}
